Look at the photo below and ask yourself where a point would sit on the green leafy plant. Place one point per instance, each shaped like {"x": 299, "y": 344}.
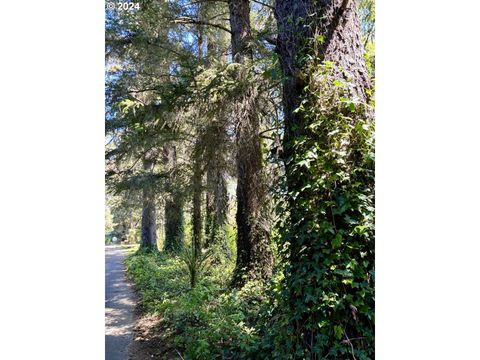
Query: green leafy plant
{"x": 325, "y": 304}
{"x": 196, "y": 263}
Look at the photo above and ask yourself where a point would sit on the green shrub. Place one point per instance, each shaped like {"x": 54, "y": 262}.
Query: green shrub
{"x": 209, "y": 321}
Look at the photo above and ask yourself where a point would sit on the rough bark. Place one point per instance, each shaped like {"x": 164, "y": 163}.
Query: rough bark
{"x": 198, "y": 163}
{"x": 323, "y": 30}
{"x": 173, "y": 204}
{"x": 149, "y": 228}
{"x": 336, "y": 23}
{"x": 254, "y": 257}
{"x": 241, "y": 30}
{"x": 216, "y": 154}
{"x": 300, "y": 23}
{"x": 216, "y": 200}
{"x": 173, "y": 225}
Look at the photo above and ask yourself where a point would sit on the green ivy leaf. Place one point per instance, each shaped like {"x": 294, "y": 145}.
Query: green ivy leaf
{"x": 337, "y": 241}
{"x": 338, "y": 332}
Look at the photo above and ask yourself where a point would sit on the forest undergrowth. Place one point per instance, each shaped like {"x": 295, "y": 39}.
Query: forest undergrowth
{"x": 210, "y": 321}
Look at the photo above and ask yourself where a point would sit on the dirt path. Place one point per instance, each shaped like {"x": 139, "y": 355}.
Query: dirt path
{"x": 119, "y": 306}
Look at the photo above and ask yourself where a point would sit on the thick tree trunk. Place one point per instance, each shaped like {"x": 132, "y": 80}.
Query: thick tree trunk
{"x": 241, "y": 30}
{"x": 254, "y": 257}
{"x": 173, "y": 225}
{"x": 336, "y": 26}
{"x": 216, "y": 195}
{"x": 336, "y": 23}
{"x": 173, "y": 204}
{"x": 149, "y": 228}
{"x": 198, "y": 162}
{"x": 312, "y": 32}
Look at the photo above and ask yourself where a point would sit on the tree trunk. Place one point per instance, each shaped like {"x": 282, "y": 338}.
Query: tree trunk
{"x": 336, "y": 23}
{"x": 197, "y": 206}
{"x": 254, "y": 257}
{"x": 173, "y": 225}
{"x": 209, "y": 208}
{"x": 312, "y": 33}
{"x": 216, "y": 152}
{"x": 125, "y": 227}
{"x": 149, "y": 228}
{"x": 173, "y": 204}
{"x": 216, "y": 207}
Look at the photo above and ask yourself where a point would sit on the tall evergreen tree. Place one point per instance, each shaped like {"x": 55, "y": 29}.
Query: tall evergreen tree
{"x": 254, "y": 256}
{"x": 329, "y": 170}
{"x": 149, "y": 227}
{"x": 174, "y": 202}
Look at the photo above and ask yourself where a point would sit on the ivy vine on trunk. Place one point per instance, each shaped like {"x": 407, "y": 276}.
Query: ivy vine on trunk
{"x": 328, "y": 155}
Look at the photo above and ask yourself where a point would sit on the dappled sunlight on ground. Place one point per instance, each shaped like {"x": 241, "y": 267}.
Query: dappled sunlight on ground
{"x": 119, "y": 305}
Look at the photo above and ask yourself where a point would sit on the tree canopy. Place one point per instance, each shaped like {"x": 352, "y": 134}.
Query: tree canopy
{"x": 240, "y": 148}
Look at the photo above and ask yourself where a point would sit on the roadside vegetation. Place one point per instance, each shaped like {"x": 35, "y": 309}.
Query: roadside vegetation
{"x": 209, "y": 321}
{"x": 240, "y": 156}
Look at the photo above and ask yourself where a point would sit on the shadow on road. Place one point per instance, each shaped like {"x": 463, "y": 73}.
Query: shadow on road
{"x": 119, "y": 305}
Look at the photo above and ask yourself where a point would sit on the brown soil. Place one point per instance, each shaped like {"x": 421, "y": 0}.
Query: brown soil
{"x": 149, "y": 339}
